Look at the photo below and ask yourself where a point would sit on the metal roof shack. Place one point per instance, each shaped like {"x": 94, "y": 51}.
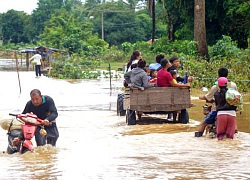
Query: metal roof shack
{"x": 48, "y": 54}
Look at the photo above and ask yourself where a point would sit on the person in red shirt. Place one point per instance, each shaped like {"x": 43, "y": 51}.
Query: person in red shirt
{"x": 165, "y": 79}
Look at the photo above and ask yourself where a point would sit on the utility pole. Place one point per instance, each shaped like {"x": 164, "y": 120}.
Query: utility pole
{"x": 102, "y": 27}
{"x": 103, "y": 18}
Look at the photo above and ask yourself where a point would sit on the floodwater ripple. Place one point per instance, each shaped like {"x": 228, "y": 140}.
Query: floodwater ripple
{"x": 95, "y": 143}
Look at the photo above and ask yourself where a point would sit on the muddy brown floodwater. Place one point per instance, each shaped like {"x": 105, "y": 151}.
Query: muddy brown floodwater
{"x": 95, "y": 143}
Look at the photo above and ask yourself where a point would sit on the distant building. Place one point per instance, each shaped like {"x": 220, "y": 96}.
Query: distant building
{"x": 150, "y": 41}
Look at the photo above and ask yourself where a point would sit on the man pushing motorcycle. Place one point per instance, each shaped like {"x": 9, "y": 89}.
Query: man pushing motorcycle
{"x": 44, "y": 107}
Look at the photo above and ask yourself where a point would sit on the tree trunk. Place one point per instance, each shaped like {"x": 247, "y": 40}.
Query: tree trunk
{"x": 200, "y": 28}
{"x": 153, "y": 21}
{"x": 170, "y": 28}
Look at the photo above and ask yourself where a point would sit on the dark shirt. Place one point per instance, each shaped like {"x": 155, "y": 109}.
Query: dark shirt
{"x": 46, "y": 110}
{"x": 220, "y": 101}
{"x": 178, "y": 79}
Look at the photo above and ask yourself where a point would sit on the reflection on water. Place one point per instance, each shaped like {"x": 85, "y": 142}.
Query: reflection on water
{"x": 94, "y": 143}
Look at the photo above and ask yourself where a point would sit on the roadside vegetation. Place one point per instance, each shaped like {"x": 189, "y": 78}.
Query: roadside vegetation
{"x": 223, "y": 54}
{"x": 98, "y": 34}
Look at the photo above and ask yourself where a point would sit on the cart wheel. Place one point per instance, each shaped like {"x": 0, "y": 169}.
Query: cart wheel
{"x": 183, "y": 116}
{"x": 130, "y": 117}
{"x": 119, "y": 108}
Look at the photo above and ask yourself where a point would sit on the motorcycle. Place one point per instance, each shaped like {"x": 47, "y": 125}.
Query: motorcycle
{"x": 16, "y": 143}
{"x": 209, "y": 129}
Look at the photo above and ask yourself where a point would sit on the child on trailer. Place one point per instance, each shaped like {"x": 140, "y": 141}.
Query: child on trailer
{"x": 147, "y": 70}
{"x": 174, "y": 75}
{"x": 153, "y": 76}
{"x": 175, "y": 113}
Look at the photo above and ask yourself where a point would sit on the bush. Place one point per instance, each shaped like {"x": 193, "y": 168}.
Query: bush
{"x": 76, "y": 67}
{"x": 224, "y": 48}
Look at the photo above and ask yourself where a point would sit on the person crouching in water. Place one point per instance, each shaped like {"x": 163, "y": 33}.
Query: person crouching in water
{"x": 226, "y": 113}
{"x": 138, "y": 77}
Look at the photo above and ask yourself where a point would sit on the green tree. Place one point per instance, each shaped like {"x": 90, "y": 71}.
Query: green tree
{"x": 42, "y": 15}
{"x": 66, "y": 31}
{"x": 228, "y": 17}
{"x": 178, "y": 15}
{"x": 122, "y": 24}
{"x": 237, "y": 21}
{"x": 13, "y": 26}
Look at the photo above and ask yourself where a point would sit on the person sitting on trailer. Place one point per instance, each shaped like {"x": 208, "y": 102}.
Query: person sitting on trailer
{"x": 137, "y": 77}
{"x": 157, "y": 64}
{"x": 165, "y": 79}
{"x": 153, "y": 76}
{"x": 175, "y": 64}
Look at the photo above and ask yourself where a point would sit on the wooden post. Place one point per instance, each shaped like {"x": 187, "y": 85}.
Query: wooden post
{"x": 27, "y": 60}
{"x": 21, "y": 59}
{"x": 110, "y": 87}
{"x": 15, "y": 54}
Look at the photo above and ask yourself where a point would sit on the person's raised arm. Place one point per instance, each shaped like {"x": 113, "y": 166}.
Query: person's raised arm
{"x": 31, "y": 59}
{"x": 210, "y": 95}
{"x": 178, "y": 85}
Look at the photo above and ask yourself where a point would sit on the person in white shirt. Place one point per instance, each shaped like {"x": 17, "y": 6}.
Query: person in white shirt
{"x": 135, "y": 57}
{"x": 37, "y": 58}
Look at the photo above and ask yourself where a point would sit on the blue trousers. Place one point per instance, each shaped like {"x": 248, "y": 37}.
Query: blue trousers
{"x": 51, "y": 137}
{"x": 38, "y": 70}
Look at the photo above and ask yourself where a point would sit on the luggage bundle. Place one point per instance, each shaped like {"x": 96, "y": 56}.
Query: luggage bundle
{"x": 10, "y": 124}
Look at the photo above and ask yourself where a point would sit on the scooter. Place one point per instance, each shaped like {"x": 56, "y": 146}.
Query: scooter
{"x": 208, "y": 128}
{"x": 29, "y": 126}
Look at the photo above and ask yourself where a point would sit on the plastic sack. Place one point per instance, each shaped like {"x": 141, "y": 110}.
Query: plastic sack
{"x": 5, "y": 124}
{"x": 233, "y": 97}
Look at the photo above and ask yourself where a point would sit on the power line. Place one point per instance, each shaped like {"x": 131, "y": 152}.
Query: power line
{"x": 105, "y": 11}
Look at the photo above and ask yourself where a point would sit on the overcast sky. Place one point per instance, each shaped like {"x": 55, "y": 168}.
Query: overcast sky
{"x": 19, "y": 5}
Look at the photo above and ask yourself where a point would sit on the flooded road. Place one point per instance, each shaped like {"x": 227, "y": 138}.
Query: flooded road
{"x": 95, "y": 143}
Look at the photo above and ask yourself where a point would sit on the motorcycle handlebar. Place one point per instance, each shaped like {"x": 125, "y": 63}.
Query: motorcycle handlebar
{"x": 13, "y": 114}
{"x": 29, "y": 119}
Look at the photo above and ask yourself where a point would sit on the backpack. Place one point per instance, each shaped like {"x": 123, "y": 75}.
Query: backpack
{"x": 233, "y": 97}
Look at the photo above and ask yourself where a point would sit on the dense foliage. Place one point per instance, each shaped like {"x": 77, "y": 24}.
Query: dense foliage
{"x": 100, "y": 32}
{"x": 118, "y": 22}
{"x": 205, "y": 73}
